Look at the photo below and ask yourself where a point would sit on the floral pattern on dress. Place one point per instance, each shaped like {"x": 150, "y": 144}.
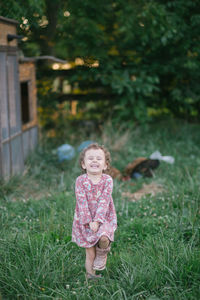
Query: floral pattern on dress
{"x": 93, "y": 203}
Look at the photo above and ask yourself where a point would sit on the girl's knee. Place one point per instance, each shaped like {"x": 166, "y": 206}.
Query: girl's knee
{"x": 104, "y": 242}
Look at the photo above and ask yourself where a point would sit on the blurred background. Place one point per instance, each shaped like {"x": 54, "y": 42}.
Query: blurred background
{"x": 132, "y": 62}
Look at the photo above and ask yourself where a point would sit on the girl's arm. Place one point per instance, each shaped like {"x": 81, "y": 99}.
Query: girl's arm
{"x": 104, "y": 201}
{"x": 81, "y": 200}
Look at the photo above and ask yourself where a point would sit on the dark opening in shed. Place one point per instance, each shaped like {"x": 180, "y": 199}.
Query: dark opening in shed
{"x": 25, "y": 110}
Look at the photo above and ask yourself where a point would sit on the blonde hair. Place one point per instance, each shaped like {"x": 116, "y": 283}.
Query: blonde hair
{"x": 96, "y": 147}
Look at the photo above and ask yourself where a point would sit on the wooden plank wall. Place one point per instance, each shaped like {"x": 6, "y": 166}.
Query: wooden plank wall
{"x": 16, "y": 141}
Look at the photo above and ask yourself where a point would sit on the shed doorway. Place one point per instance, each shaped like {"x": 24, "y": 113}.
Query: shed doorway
{"x": 25, "y": 102}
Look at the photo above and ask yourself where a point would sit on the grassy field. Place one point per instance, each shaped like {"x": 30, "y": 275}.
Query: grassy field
{"x": 156, "y": 250}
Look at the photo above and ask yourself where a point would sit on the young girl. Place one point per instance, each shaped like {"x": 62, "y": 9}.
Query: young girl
{"x": 95, "y": 218}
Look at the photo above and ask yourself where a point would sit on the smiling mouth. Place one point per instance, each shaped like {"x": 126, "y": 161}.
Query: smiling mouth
{"x": 94, "y": 166}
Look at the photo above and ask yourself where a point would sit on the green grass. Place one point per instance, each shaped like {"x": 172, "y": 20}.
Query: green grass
{"x": 156, "y": 250}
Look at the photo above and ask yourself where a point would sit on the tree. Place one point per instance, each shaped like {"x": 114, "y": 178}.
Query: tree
{"x": 147, "y": 51}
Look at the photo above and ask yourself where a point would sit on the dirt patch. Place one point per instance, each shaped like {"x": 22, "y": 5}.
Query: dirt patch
{"x": 147, "y": 189}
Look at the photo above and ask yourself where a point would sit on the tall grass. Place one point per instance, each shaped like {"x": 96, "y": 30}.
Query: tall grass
{"x": 156, "y": 250}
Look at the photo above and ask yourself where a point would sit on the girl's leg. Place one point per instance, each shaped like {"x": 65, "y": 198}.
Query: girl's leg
{"x": 90, "y": 256}
{"x": 102, "y": 249}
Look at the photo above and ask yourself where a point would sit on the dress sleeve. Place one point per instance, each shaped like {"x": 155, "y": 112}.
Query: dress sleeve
{"x": 104, "y": 201}
{"x": 82, "y": 204}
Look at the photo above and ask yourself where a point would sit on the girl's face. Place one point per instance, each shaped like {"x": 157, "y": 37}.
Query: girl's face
{"x": 94, "y": 161}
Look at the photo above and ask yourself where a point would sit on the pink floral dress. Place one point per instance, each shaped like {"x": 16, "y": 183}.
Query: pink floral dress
{"x": 93, "y": 203}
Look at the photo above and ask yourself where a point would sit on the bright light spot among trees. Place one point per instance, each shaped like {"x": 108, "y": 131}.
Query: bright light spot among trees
{"x": 79, "y": 61}
{"x": 43, "y": 22}
{"x": 66, "y": 13}
{"x": 95, "y": 64}
{"x": 25, "y": 21}
{"x": 59, "y": 66}
{"x": 55, "y": 66}
{"x": 66, "y": 66}
{"x": 133, "y": 78}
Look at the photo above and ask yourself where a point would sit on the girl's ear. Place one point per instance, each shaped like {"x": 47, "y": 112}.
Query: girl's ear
{"x": 83, "y": 165}
{"x": 105, "y": 167}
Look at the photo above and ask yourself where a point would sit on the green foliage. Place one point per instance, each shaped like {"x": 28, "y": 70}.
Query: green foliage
{"x": 148, "y": 51}
{"x": 156, "y": 250}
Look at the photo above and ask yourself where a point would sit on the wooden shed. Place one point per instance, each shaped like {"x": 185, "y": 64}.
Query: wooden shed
{"x": 18, "y": 107}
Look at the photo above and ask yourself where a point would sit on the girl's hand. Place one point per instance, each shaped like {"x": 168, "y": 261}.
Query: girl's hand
{"x": 94, "y": 226}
